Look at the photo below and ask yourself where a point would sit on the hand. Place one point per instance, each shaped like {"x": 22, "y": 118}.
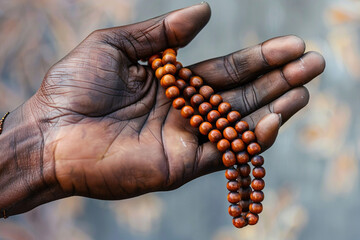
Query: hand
{"x": 108, "y": 131}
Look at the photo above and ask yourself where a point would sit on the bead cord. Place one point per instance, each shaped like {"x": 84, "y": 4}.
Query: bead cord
{"x": 2, "y": 121}
{"x": 4, "y": 214}
{"x": 216, "y": 119}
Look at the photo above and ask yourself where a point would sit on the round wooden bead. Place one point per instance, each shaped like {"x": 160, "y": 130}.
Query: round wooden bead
{"x": 206, "y": 91}
{"x": 257, "y": 196}
{"x": 259, "y": 172}
{"x": 253, "y": 148}
{"x": 244, "y": 170}
{"x": 178, "y": 103}
{"x": 181, "y": 84}
{"x": 196, "y": 81}
{"x": 223, "y": 145}
{"x": 242, "y": 157}
{"x": 241, "y": 126}
{"x": 244, "y": 205}
{"x": 239, "y": 222}
{"x": 252, "y": 218}
{"x": 196, "y": 100}
{"x": 235, "y": 210}
{"x": 233, "y": 116}
{"x": 167, "y": 80}
{"x": 172, "y": 92}
{"x": 169, "y": 50}
{"x": 152, "y": 58}
{"x": 205, "y": 128}
{"x": 224, "y": 108}
{"x": 228, "y": 159}
{"x": 169, "y": 58}
{"x": 233, "y": 186}
{"x": 187, "y": 111}
{"x": 196, "y": 120}
{"x": 215, "y": 100}
{"x": 231, "y": 174}
{"x": 178, "y": 66}
{"x": 205, "y": 108}
{"x": 230, "y": 133}
{"x": 248, "y": 137}
{"x": 256, "y": 208}
{"x": 237, "y": 145}
{"x": 159, "y": 73}
{"x": 257, "y": 161}
{"x": 169, "y": 69}
{"x": 156, "y": 64}
{"x": 222, "y": 123}
{"x": 214, "y": 136}
{"x": 233, "y": 197}
{"x": 212, "y": 116}
{"x": 245, "y": 193}
{"x": 188, "y": 92}
{"x": 258, "y": 184}
{"x": 245, "y": 181}
{"x": 185, "y": 74}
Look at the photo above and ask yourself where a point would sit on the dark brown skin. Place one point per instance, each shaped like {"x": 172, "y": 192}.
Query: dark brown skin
{"x": 100, "y": 126}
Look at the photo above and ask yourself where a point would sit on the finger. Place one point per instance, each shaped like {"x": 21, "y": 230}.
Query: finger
{"x": 266, "y": 130}
{"x": 286, "y": 105}
{"x": 245, "y": 65}
{"x": 274, "y": 84}
{"x": 172, "y": 30}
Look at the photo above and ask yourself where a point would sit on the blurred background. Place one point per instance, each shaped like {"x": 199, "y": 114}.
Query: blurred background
{"x": 312, "y": 182}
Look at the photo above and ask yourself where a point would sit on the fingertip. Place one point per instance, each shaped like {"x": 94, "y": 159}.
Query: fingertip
{"x": 267, "y": 130}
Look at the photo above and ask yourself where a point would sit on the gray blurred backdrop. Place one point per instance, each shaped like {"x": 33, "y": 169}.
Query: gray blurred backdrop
{"x": 312, "y": 182}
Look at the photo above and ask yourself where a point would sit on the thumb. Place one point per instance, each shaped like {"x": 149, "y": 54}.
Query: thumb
{"x": 172, "y": 30}
{"x": 267, "y": 129}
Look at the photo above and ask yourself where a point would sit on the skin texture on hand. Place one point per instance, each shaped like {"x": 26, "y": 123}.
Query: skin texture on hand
{"x": 108, "y": 131}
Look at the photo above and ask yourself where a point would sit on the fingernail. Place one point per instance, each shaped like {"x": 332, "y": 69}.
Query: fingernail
{"x": 280, "y": 119}
{"x": 203, "y": 2}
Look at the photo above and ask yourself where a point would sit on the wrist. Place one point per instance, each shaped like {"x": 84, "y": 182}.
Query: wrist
{"x": 26, "y": 178}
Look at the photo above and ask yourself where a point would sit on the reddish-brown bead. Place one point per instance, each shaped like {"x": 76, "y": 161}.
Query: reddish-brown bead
{"x": 242, "y": 157}
{"x": 212, "y": 116}
{"x": 248, "y": 137}
{"x": 233, "y": 116}
{"x": 253, "y": 148}
{"x": 235, "y": 210}
{"x": 196, "y": 100}
{"x": 214, "y": 136}
{"x": 258, "y": 184}
{"x": 224, "y": 108}
{"x": 230, "y": 133}
{"x": 188, "y": 92}
{"x": 196, "y": 120}
{"x": 169, "y": 69}
{"x": 233, "y": 186}
{"x": 244, "y": 170}
{"x": 206, "y": 91}
{"x": 181, "y": 84}
{"x": 233, "y": 197}
{"x": 185, "y": 74}
{"x": 237, "y": 145}
{"x": 152, "y": 58}
{"x": 257, "y": 196}
{"x": 256, "y": 208}
{"x": 241, "y": 126}
{"x": 231, "y": 174}
{"x": 223, "y": 145}
{"x": 259, "y": 172}
{"x": 245, "y": 181}
{"x": 205, "y": 108}
{"x": 239, "y": 222}
{"x": 222, "y": 123}
{"x": 169, "y": 58}
{"x": 167, "y": 80}
{"x": 187, "y": 111}
{"x": 196, "y": 81}
{"x": 169, "y": 50}
{"x": 245, "y": 193}
{"x": 205, "y": 128}
{"x": 172, "y": 92}
{"x": 215, "y": 100}
{"x": 159, "y": 73}
{"x": 178, "y": 66}
{"x": 257, "y": 161}
{"x": 156, "y": 63}
{"x": 228, "y": 159}
{"x": 178, "y": 103}
{"x": 252, "y": 218}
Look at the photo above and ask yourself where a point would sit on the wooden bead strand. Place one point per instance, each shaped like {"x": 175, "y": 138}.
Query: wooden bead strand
{"x": 216, "y": 119}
